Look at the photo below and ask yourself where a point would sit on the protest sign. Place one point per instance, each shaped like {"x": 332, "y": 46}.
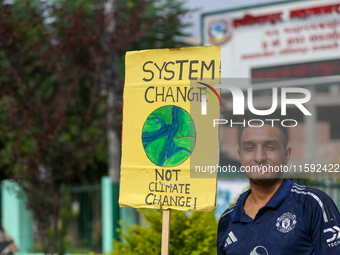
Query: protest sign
{"x": 166, "y": 131}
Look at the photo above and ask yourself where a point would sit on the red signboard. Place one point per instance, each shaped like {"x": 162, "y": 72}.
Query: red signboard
{"x": 302, "y": 70}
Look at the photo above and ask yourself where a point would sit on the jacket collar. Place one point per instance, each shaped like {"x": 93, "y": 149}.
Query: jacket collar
{"x": 276, "y": 200}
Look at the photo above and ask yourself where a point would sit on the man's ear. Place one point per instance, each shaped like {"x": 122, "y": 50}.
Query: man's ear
{"x": 287, "y": 154}
{"x": 239, "y": 153}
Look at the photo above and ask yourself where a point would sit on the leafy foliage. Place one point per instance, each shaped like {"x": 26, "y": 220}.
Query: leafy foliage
{"x": 57, "y": 64}
{"x": 191, "y": 233}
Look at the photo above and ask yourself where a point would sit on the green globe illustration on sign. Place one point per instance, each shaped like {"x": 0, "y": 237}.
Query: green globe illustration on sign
{"x": 169, "y": 136}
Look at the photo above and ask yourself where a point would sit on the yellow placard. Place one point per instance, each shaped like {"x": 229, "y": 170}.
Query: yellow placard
{"x": 167, "y": 137}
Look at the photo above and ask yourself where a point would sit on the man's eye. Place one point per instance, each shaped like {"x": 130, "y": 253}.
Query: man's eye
{"x": 249, "y": 149}
{"x": 271, "y": 148}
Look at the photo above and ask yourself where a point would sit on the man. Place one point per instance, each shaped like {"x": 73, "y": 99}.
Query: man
{"x": 276, "y": 216}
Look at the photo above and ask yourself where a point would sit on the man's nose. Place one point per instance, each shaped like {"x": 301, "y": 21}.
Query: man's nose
{"x": 260, "y": 155}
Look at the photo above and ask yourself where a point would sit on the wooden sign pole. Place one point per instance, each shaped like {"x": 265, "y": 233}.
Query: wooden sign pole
{"x": 166, "y": 232}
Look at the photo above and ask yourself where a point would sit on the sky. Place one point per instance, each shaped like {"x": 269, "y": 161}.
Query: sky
{"x": 204, "y": 6}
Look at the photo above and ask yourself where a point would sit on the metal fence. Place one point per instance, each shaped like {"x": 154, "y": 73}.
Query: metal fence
{"x": 85, "y": 228}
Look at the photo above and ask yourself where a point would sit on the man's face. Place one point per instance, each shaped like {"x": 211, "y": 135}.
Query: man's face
{"x": 261, "y": 147}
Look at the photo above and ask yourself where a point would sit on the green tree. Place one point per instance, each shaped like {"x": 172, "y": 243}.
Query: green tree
{"x": 55, "y": 60}
{"x": 191, "y": 233}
